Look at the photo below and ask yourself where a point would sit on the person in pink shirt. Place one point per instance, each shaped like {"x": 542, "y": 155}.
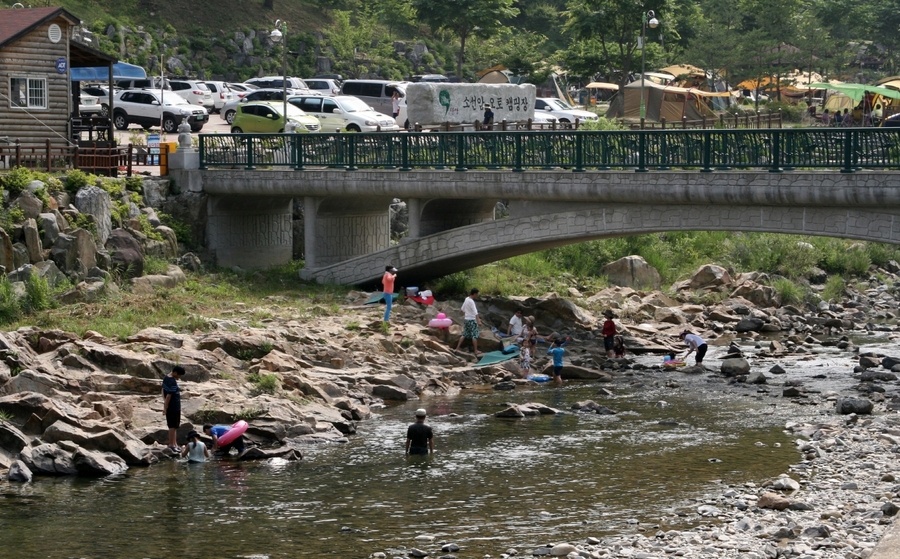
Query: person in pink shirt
{"x": 387, "y": 280}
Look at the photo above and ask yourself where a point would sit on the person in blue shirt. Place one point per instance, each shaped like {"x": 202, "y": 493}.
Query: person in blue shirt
{"x": 556, "y": 350}
{"x": 216, "y": 431}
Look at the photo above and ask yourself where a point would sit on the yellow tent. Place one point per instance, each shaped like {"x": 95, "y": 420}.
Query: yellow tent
{"x": 671, "y": 103}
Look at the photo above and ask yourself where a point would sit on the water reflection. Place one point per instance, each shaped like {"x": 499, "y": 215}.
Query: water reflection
{"x": 492, "y": 483}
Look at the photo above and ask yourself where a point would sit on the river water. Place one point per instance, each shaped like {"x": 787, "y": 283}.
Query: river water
{"x": 493, "y": 484}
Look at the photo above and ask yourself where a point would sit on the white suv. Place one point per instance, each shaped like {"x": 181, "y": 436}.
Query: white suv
{"x": 561, "y": 110}
{"x": 343, "y": 112}
{"x": 149, "y": 107}
{"x": 194, "y": 92}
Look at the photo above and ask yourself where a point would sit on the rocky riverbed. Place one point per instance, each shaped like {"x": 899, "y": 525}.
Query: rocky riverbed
{"x": 87, "y": 405}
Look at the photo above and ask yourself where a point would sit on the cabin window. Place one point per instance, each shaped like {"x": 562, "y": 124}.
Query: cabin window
{"x": 28, "y": 93}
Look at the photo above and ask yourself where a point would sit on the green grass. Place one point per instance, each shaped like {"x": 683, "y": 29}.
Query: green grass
{"x": 789, "y": 293}
{"x": 834, "y": 289}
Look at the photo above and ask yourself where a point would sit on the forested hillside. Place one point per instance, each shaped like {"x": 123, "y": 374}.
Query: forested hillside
{"x": 854, "y": 40}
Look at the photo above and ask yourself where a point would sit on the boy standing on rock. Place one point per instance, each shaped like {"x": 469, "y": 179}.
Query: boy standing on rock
{"x": 172, "y": 405}
{"x": 419, "y": 437}
{"x": 609, "y": 334}
{"x": 471, "y": 321}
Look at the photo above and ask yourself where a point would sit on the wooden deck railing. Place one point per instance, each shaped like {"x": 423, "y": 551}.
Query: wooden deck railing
{"x": 109, "y": 161}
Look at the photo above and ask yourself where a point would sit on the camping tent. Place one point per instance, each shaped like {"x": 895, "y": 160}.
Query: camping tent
{"x": 671, "y": 103}
{"x": 837, "y": 102}
{"x": 494, "y": 76}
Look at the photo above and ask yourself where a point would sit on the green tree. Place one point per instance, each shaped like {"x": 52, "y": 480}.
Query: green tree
{"x": 465, "y": 18}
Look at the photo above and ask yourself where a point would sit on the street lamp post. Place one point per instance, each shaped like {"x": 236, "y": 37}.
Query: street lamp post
{"x": 280, "y": 35}
{"x": 647, "y": 18}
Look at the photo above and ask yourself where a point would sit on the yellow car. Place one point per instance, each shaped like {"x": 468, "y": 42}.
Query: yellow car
{"x": 264, "y": 117}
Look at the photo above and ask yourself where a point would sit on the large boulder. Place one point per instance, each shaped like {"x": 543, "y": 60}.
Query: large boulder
{"x": 95, "y": 201}
{"x": 709, "y": 276}
{"x": 49, "y": 227}
{"x": 735, "y": 367}
{"x": 33, "y": 241}
{"x": 7, "y": 258}
{"x": 49, "y": 460}
{"x": 859, "y": 406}
{"x": 19, "y": 472}
{"x": 127, "y": 255}
{"x": 92, "y": 463}
{"x": 632, "y": 271}
{"x": 749, "y": 324}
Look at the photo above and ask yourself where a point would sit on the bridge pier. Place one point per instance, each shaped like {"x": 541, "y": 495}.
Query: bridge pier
{"x": 344, "y": 228}
{"x": 250, "y": 232}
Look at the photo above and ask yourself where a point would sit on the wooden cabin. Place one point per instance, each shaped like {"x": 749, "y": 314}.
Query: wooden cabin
{"x": 35, "y": 92}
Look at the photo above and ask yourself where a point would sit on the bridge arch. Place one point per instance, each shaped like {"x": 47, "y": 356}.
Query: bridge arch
{"x": 474, "y": 245}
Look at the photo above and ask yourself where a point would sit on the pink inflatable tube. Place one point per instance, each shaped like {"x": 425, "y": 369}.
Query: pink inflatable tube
{"x": 236, "y": 431}
{"x": 441, "y": 321}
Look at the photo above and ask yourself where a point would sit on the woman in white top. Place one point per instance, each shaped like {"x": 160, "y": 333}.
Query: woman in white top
{"x": 195, "y": 450}
{"x": 694, "y": 343}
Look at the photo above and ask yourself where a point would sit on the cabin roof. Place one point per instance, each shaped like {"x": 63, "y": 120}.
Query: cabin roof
{"x": 16, "y": 23}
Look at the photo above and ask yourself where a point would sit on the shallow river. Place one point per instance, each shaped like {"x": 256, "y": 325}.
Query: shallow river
{"x": 493, "y": 484}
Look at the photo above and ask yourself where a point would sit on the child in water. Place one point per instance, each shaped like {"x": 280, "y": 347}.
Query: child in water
{"x": 556, "y": 351}
{"x": 619, "y": 347}
{"x": 195, "y": 450}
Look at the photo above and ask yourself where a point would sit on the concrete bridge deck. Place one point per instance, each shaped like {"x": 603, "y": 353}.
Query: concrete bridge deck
{"x": 451, "y": 214}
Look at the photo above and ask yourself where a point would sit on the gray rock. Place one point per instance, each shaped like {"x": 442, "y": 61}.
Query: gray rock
{"x": 505, "y": 385}
{"x": 890, "y": 509}
{"x": 749, "y": 324}
{"x": 632, "y": 271}
{"x": 735, "y": 367}
{"x": 777, "y": 370}
{"x": 19, "y": 472}
{"x": 756, "y": 378}
{"x": 95, "y": 201}
{"x": 859, "y": 406}
{"x": 127, "y": 254}
{"x": 820, "y": 531}
{"x": 30, "y": 205}
{"x": 709, "y": 275}
{"x": 7, "y": 259}
{"x": 869, "y": 376}
{"x": 890, "y": 362}
{"x": 50, "y": 228}
{"x": 49, "y": 460}
{"x": 97, "y": 464}
{"x": 389, "y": 392}
{"x": 33, "y": 241}
{"x": 512, "y": 411}
{"x": 562, "y": 549}
{"x": 155, "y": 191}
{"x": 50, "y": 272}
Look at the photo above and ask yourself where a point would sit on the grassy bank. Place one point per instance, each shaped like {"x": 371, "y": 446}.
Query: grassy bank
{"x": 277, "y": 294}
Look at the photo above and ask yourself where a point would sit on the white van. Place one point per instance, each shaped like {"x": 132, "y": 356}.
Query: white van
{"x": 376, "y": 93}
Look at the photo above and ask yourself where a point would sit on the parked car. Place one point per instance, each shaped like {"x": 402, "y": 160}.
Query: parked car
{"x": 263, "y": 117}
{"x": 195, "y": 92}
{"x": 376, "y": 93}
{"x": 149, "y": 107}
{"x": 277, "y": 81}
{"x": 343, "y": 112}
{"x": 221, "y": 94}
{"x": 241, "y": 87}
{"x": 230, "y": 109}
{"x": 88, "y": 105}
{"x": 561, "y": 110}
{"x": 155, "y": 82}
{"x": 891, "y": 121}
{"x": 323, "y": 85}
{"x": 101, "y": 93}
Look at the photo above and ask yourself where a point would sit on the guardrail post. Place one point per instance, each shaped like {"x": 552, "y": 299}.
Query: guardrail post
{"x": 518, "y": 168}
{"x": 202, "y": 145}
{"x": 664, "y": 152}
{"x": 351, "y": 151}
{"x": 131, "y": 154}
{"x": 49, "y": 155}
{"x": 404, "y": 153}
{"x": 579, "y": 152}
{"x": 707, "y": 151}
{"x": 18, "y": 152}
{"x": 848, "y": 152}
{"x": 297, "y": 142}
{"x": 642, "y": 151}
{"x": 249, "y": 142}
{"x": 460, "y": 154}
{"x": 390, "y": 150}
{"x": 776, "y": 152}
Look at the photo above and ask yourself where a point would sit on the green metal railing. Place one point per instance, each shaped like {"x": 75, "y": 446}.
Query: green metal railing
{"x": 642, "y": 150}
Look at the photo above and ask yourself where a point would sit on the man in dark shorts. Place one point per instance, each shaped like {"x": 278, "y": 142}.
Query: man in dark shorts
{"x": 419, "y": 437}
{"x": 172, "y": 405}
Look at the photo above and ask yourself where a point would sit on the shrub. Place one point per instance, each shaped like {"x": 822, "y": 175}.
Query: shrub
{"x": 10, "y": 311}
{"x": 115, "y": 187}
{"x": 17, "y": 180}
{"x": 834, "y": 289}
{"x": 454, "y": 284}
{"x": 37, "y": 294}
{"x": 77, "y": 179}
{"x": 134, "y": 184}
{"x": 789, "y": 293}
